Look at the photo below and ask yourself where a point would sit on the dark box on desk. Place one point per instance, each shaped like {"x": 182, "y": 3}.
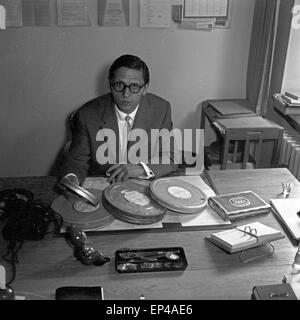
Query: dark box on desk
{"x": 282, "y": 291}
{"x": 150, "y": 260}
{"x": 238, "y": 205}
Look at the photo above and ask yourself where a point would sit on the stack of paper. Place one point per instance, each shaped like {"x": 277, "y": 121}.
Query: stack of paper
{"x": 291, "y": 99}
{"x": 286, "y": 210}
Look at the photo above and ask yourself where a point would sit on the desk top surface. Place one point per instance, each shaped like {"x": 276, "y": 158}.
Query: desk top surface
{"x": 211, "y": 273}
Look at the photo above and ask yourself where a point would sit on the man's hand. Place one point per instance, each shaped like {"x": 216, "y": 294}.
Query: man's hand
{"x": 121, "y": 172}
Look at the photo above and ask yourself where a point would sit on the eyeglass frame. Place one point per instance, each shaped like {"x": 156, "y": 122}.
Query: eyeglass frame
{"x": 126, "y": 86}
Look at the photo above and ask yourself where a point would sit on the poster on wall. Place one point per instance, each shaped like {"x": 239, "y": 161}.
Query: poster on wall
{"x": 155, "y": 13}
{"x": 73, "y": 13}
{"x": 14, "y": 16}
{"x": 2, "y": 17}
{"x": 36, "y": 13}
{"x": 113, "y": 12}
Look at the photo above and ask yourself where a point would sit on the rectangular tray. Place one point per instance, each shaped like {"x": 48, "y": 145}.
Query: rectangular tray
{"x": 151, "y": 263}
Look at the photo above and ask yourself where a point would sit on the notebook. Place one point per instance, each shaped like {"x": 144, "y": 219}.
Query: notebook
{"x": 286, "y": 211}
{"x": 238, "y": 205}
{"x": 245, "y": 237}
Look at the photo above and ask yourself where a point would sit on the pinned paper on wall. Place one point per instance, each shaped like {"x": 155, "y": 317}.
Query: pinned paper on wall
{"x": 205, "y": 9}
{"x": 36, "y": 13}
{"x": 13, "y": 13}
{"x": 2, "y": 17}
{"x": 155, "y": 13}
{"x": 73, "y": 13}
{"x": 113, "y": 12}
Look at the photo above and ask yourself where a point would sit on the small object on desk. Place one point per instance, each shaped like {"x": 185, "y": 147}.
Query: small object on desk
{"x": 245, "y": 237}
{"x": 79, "y": 293}
{"x": 2, "y": 277}
{"x": 7, "y": 294}
{"x": 149, "y": 260}
{"x": 238, "y": 205}
{"x": 286, "y": 188}
{"x": 82, "y": 251}
{"x": 282, "y": 291}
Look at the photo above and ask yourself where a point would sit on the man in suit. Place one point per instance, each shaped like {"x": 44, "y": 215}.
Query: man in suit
{"x": 126, "y": 108}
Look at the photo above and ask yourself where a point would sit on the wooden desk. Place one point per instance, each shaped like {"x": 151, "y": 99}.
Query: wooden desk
{"x": 211, "y": 274}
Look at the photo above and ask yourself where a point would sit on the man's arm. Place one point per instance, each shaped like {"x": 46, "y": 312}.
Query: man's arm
{"x": 76, "y": 160}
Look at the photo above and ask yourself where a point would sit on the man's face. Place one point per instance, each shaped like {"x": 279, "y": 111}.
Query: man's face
{"x": 126, "y": 100}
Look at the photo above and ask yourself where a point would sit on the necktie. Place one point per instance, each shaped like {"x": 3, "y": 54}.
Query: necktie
{"x": 126, "y": 132}
{"x": 128, "y": 124}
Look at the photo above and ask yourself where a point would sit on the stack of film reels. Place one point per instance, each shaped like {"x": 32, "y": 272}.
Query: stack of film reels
{"x": 130, "y": 202}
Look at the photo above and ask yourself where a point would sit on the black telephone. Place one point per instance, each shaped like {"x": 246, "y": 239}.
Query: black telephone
{"x": 24, "y": 219}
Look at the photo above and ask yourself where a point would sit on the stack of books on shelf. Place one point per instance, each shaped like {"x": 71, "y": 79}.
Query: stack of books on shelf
{"x": 291, "y": 99}
{"x": 287, "y": 103}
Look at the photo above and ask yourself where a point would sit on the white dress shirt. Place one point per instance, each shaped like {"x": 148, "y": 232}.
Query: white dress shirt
{"x": 123, "y": 138}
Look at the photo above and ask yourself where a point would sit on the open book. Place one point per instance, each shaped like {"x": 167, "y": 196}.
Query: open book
{"x": 245, "y": 237}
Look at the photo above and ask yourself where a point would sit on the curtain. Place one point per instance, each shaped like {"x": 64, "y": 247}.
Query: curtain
{"x": 261, "y": 54}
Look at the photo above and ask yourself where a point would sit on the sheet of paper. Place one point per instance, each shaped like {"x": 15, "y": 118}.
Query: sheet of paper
{"x": 113, "y": 12}
{"x": 118, "y": 225}
{"x": 99, "y": 183}
{"x": 2, "y": 17}
{"x": 207, "y": 217}
{"x": 286, "y": 210}
{"x": 73, "y": 13}
{"x": 155, "y": 13}
{"x": 204, "y": 8}
{"x": 13, "y": 13}
{"x": 36, "y": 13}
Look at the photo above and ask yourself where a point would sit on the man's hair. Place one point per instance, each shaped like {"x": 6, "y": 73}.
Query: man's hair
{"x": 131, "y": 62}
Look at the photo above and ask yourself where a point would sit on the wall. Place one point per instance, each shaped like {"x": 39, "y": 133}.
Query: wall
{"x": 46, "y": 72}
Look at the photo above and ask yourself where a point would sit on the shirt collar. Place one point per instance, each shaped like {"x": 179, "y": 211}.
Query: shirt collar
{"x": 121, "y": 115}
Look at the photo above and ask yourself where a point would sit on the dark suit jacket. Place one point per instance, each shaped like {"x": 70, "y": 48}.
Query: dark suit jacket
{"x": 153, "y": 113}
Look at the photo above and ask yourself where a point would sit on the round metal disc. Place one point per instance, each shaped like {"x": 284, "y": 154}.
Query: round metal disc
{"x": 130, "y": 202}
{"x": 97, "y": 218}
{"x": 81, "y": 192}
{"x": 178, "y": 195}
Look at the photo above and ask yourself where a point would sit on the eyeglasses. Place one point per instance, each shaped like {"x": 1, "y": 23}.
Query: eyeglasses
{"x": 121, "y": 86}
